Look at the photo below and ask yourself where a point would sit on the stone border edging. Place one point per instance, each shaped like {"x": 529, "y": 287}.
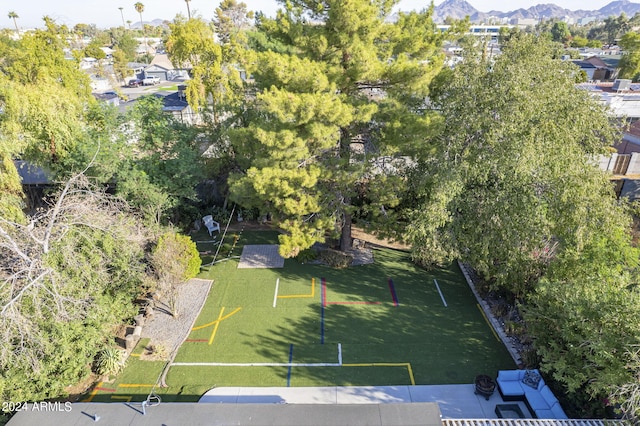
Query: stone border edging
{"x": 494, "y": 322}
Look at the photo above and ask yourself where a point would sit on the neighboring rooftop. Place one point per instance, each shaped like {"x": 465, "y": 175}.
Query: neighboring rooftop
{"x": 194, "y": 414}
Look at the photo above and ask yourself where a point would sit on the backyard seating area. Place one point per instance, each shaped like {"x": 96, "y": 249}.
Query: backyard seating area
{"x": 529, "y": 386}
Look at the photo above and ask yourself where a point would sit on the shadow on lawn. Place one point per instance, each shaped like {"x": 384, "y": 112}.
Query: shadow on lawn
{"x": 444, "y": 345}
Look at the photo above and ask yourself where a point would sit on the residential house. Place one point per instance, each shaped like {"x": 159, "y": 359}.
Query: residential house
{"x": 108, "y": 97}
{"x": 587, "y": 67}
{"x": 622, "y": 104}
{"x": 603, "y": 71}
{"x": 630, "y": 142}
{"x": 630, "y": 189}
{"x": 162, "y": 68}
{"x": 176, "y": 104}
{"x": 34, "y": 181}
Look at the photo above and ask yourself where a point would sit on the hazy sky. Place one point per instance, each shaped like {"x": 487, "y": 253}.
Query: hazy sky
{"x": 105, "y": 13}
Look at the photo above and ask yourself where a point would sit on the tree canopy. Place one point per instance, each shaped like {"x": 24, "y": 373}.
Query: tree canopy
{"x": 512, "y": 184}
{"x": 352, "y": 92}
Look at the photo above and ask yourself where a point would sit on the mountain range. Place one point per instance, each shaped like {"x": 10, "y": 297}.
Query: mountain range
{"x": 458, "y": 9}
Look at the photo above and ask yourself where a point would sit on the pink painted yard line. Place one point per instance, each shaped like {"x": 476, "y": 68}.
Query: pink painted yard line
{"x": 353, "y": 303}
{"x": 324, "y": 291}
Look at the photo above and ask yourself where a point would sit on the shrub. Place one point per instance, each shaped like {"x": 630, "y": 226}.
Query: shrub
{"x": 110, "y": 361}
{"x": 176, "y": 255}
{"x": 307, "y": 256}
{"x": 335, "y": 259}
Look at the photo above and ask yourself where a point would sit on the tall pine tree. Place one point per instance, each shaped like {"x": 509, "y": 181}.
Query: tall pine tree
{"x": 351, "y": 94}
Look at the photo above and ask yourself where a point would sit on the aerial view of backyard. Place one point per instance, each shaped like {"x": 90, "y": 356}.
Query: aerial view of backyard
{"x": 360, "y": 212}
{"x": 385, "y": 323}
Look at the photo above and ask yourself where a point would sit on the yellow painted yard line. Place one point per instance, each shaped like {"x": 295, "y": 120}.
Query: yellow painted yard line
{"x": 126, "y": 398}
{"x": 93, "y": 393}
{"x": 296, "y": 296}
{"x": 488, "y": 323}
{"x": 387, "y": 364}
{"x": 135, "y": 385}
{"x": 215, "y": 329}
{"x": 413, "y": 381}
{"x": 135, "y": 354}
{"x": 215, "y": 322}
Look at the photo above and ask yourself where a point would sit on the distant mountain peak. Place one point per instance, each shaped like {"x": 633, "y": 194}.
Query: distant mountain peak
{"x": 459, "y": 9}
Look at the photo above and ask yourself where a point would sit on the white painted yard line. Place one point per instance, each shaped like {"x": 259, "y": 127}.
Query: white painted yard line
{"x": 275, "y": 295}
{"x": 264, "y": 364}
{"x": 441, "y": 296}
{"x": 255, "y": 364}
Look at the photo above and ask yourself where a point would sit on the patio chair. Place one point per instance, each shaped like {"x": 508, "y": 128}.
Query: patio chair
{"x": 211, "y": 224}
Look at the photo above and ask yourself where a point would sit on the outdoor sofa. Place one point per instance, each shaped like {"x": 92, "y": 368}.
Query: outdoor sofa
{"x": 529, "y": 386}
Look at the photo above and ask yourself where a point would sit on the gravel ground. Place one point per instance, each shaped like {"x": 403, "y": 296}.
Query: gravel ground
{"x": 165, "y": 330}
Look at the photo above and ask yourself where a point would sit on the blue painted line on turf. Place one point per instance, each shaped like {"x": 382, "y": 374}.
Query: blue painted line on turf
{"x": 290, "y": 361}
{"x": 322, "y": 303}
{"x": 394, "y": 295}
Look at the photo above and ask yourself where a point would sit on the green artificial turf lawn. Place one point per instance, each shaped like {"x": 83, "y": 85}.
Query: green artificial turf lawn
{"x": 425, "y": 341}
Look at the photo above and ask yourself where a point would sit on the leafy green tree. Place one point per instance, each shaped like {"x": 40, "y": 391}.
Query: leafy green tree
{"x": 123, "y": 40}
{"x": 175, "y": 259}
{"x": 613, "y": 28}
{"x": 630, "y": 61}
{"x": 191, "y": 44}
{"x": 12, "y": 200}
{"x": 352, "y": 93}
{"x": 44, "y": 96}
{"x": 231, "y": 19}
{"x": 510, "y": 184}
{"x": 93, "y": 50}
{"x": 628, "y": 394}
{"x": 86, "y": 30}
{"x": 67, "y": 278}
{"x": 160, "y": 180}
{"x": 560, "y": 32}
{"x": 578, "y": 41}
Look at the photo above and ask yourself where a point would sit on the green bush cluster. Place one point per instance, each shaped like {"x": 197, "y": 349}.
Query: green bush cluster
{"x": 307, "y": 256}
{"x": 335, "y": 259}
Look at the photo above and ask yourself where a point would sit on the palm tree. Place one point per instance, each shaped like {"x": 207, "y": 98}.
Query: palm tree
{"x": 188, "y": 10}
{"x": 129, "y": 23}
{"x": 140, "y": 8}
{"x": 122, "y": 14}
{"x": 14, "y": 16}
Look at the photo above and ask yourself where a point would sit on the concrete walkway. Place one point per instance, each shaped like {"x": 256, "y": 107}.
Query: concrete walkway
{"x": 455, "y": 401}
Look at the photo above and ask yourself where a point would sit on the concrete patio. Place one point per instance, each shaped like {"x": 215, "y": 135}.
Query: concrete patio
{"x": 455, "y": 401}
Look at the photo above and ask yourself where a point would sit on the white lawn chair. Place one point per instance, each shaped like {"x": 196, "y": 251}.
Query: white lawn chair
{"x": 211, "y": 224}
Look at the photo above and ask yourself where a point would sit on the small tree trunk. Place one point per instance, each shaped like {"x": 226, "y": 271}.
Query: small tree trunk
{"x": 345, "y": 237}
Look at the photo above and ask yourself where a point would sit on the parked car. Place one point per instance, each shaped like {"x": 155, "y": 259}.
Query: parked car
{"x": 135, "y": 83}
{"x": 151, "y": 81}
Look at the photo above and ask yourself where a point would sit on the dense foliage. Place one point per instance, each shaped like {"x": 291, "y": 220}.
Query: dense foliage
{"x": 349, "y": 88}
{"x": 513, "y": 190}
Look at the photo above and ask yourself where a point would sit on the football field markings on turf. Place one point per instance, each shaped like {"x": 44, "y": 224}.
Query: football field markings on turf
{"x": 301, "y": 296}
{"x": 264, "y": 364}
{"x": 216, "y": 321}
{"x": 323, "y": 297}
{"x": 394, "y": 295}
{"x": 290, "y": 361}
{"x": 275, "y": 294}
{"x": 488, "y": 323}
{"x": 444, "y": 302}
